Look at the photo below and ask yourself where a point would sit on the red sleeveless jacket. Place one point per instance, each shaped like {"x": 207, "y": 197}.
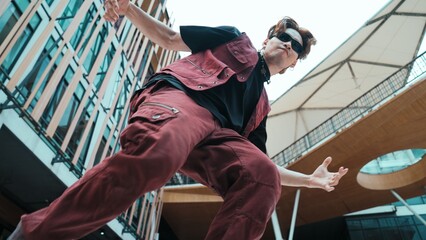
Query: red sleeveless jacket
{"x": 213, "y": 67}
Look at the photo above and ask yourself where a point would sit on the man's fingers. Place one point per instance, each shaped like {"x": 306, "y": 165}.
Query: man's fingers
{"x": 329, "y": 188}
{"x": 111, "y": 17}
{"x": 111, "y": 13}
{"x": 326, "y": 162}
{"x": 335, "y": 177}
{"x": 342, "y": 171}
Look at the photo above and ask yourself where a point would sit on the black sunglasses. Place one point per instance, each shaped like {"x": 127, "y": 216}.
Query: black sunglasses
{"x": 297, "y": 47}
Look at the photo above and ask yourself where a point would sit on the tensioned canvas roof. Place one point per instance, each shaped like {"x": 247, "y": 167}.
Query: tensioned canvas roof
{"x": 387, "y": 42}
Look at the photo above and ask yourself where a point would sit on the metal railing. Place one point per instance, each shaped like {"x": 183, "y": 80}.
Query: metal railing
{"x": 381, "y": 93}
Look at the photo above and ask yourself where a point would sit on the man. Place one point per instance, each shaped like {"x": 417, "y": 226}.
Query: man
{"x": 203, "y": 116}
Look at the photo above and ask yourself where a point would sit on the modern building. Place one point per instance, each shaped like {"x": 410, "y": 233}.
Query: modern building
{"x": 66, "y": 76}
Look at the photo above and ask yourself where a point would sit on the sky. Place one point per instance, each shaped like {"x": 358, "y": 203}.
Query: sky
{"x": 331, "y": 22}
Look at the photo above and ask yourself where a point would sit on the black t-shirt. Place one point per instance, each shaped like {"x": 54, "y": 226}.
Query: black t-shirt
{"x": 233, "y": 102}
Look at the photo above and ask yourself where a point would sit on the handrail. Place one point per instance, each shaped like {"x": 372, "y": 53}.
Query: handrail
{"x": 370, "y": 100}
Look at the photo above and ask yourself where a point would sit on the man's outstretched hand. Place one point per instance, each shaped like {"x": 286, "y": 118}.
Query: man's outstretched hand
{"x": 115, "y": 8}
{"x": 322, "y": 178}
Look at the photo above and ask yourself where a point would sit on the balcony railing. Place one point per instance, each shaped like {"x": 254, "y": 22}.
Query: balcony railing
{"x": 381, "y": 93}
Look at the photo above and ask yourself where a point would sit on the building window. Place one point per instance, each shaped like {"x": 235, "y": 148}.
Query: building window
{"x": 386, "y": 228}
{"x": 144, "y": 61}
{"x": 154, "y": 9}
{"x": 113, "y": 142}
{"x": 83, "y": 27}
{"x": 137, "y": 212}
{"x": 99, "y": 79}
{"x": 135, "y": 35}
{"x": 82, "y": 123}
{"x": 44, "y": 83}
{"x": 95, "y": 49}
{"x": 69, "y": 13}
{"x": 22, "y": 42}
{"x": 82, "y": 157}
{"x": 125, "y": 32}
{"x": 123, "y": 125}
{"x": 49, "y": 2}
{"x": 30, "y": 81}
{"x": 102, "y": 145}
{"x": 88, "y": 36}
{"x": 69, "y": 115}
{"x": 78, "y": 133}
{"x": 55, "y": 100}
{"x": 114, "y": 82}
{"x": 422, "y": 229}
{"x": 122, "y": 99}
{"x": 10, "y": 17}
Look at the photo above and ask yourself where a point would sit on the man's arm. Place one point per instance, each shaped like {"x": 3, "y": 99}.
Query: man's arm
{"x": 320, "y": 178}
{"x": 155, "y": 30}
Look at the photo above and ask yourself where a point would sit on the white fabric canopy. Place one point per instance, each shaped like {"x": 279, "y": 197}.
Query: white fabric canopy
{"x": 387, "y": 42}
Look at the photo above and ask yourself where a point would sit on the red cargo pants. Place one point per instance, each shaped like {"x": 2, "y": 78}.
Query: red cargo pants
{"x": 167, "y": 132}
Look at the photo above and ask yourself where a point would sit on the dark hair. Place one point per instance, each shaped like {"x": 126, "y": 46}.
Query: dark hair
{"x": 287, "y": 22}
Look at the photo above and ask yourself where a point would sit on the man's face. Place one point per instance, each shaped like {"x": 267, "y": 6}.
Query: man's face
{"x": 282, "y": 51}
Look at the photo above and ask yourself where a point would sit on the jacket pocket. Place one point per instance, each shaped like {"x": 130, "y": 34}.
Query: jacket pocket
{"x": 154, "y": 112}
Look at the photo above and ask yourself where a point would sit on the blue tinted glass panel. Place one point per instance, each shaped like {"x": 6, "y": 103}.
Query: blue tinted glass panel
{"x": 22, "y": 42}
{"x": 370, "y": 223}
{"x": 88, "y": 36}
{"x": 95, "y": 49}
{"x": 422, "y": 231}
{"x": 44, "y": 83}
{"x": 69, "y": 114}
{"x": 371, "y": 234}
{"x": 83, "y": 27}
{"x": 387, "y": 222}
{"x": 8, "y": 20}
{"x": 27, "y": 85}
{"x": 391, "y": 234}
{"x": 407, "y": 232}
{"x": 69, "y": 13}
{"x": 55, "y": 100}
{"x": 81, "y": 125}
{"x": 49, "y": 2}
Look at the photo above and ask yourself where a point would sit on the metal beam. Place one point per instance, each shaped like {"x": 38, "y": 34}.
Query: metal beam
{"x": 408, "y": 206}
{"x": 276, "y": 226}
{"x": 293, "y": 218}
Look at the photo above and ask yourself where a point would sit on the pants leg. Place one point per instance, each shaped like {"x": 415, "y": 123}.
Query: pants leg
{"x": 244, "y": 176}
{"x": 164, "y": 128}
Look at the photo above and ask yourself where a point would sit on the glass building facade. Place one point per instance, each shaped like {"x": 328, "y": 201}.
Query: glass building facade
{"x": 386, "y": 228}
{"x": 68, "y": 75}
{"x": 390, "y": 222}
